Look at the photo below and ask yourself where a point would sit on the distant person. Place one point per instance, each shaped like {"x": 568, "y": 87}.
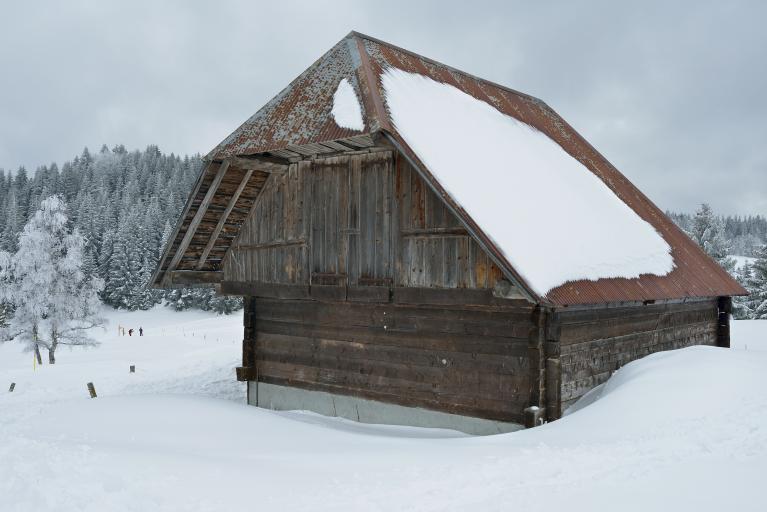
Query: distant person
{"x": 130, "y": 332}
{"x": 140, "y": 331}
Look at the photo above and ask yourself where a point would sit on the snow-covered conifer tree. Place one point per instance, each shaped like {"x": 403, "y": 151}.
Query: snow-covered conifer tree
{"x": 743, "y": 307}
{"x": 758, "y": 289}
{"x": 708, "y": 231}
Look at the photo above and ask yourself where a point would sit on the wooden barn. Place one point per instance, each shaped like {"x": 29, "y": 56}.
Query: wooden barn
{"x": 416, "y": 245}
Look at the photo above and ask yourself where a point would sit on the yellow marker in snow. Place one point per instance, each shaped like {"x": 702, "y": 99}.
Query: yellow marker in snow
{"x": 34, "y": 362}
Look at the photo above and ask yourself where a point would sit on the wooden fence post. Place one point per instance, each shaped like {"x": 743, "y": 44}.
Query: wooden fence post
{"x": 533, "y": 416}
{"x": 724, "y": 307}
{"x": 92, "y": 389}
{"x": 13, "y": 386}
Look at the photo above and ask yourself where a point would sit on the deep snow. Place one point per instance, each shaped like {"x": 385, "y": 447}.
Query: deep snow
{"x": 500, "y": 169}
{"x": 681, "y": 430}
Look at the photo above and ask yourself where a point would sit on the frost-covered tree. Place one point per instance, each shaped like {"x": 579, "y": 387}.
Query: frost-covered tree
{"x": 54, "y": 303}
{"x": 758, "y": 286}
{"x": 743, "y": 307}
{"x": 708, "y": 231}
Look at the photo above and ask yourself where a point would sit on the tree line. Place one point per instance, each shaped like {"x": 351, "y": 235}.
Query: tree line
{"x": 124, "y": 204}
{"x": 744, "y": 234}
{"x": 722, "y": 237}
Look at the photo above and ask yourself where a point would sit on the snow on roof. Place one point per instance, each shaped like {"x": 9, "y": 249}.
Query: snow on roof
{"x": 346, "y": 107}
{"x": 554, "y": 219}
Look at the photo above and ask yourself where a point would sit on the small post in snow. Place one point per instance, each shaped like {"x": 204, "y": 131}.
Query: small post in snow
{"x": 92, "y": 389}
{"x": 133, "y": 368}
{"x": 13, "y": 386}
{"x": 533, "y": 416}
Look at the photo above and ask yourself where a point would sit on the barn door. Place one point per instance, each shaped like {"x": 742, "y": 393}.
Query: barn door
{"x": 351, "y": 220}
{"x": 369, "y": 227}
{"x": 327, "y": 189}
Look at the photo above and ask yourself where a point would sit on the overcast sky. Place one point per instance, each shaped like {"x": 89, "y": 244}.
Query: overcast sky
{"x": 673, "y": 93}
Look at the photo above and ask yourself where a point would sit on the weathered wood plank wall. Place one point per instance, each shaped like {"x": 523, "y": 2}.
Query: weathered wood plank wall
{"x": 462, "y": 360}
{"x": 436, "y": 251}
{"x": 593, "y": 343}
{"x": 361, "y": 282}
{"x": 360, "y": 220}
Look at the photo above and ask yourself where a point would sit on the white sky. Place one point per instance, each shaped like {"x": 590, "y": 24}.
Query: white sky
{"x": 671, "y": 92}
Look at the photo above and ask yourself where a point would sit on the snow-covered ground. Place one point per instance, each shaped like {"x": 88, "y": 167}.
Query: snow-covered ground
{"x": 742, "y": 260}
{"x": 682, "y": 430}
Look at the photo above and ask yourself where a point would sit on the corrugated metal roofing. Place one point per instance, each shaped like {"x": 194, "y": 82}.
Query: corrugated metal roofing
{"x": 300, "y": 115}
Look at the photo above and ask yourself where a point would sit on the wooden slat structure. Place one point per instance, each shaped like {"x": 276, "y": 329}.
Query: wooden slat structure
{"x": 363, "y": 280}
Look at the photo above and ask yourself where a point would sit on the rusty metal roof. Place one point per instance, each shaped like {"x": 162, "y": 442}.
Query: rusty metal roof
{"x": 301, "y": 113}
{"x": 299, "y": 117}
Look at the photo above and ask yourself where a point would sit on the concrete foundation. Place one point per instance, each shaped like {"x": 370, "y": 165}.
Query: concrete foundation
{"x": 284, "y": 398}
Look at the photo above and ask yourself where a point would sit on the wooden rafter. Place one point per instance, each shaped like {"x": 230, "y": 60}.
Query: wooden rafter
{"x": 199, "y": 215}
{"x": 262, "y": 164}
{"x": 194, "y": 277}
{"x": 222, "y": 219}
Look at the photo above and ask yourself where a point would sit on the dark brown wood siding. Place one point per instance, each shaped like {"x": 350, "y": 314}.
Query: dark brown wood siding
{"x": 593, "y": 343}
{"x": 457, "y": 359}
{"x": 359, "y": 220}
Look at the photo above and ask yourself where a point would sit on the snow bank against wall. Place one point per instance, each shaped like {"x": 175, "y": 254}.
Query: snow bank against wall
{"x": 553, "y": 218}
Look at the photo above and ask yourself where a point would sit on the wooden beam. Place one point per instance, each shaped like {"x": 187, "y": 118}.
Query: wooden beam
{"x": 222, "y": 219}
{"x": 258, "y": 164}
{"x": 166, "y": 251}
{"x": 191, "y": 277}
{"x": 246, "y": 373}
{"x": 199, "y": 215}
{"x": 724, "y": 309}
{"x": 270, "y": 245}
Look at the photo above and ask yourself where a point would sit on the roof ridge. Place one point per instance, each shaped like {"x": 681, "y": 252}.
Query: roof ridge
{"x": 371, "y": 89}
{"x": 360, "y": 35}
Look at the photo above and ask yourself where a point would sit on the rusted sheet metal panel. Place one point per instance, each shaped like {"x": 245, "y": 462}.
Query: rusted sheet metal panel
{"x": 300, "y": 113}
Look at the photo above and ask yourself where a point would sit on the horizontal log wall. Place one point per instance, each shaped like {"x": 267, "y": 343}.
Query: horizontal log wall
{"x": 463, "y": 360}
{"x": 593, "y": 343}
